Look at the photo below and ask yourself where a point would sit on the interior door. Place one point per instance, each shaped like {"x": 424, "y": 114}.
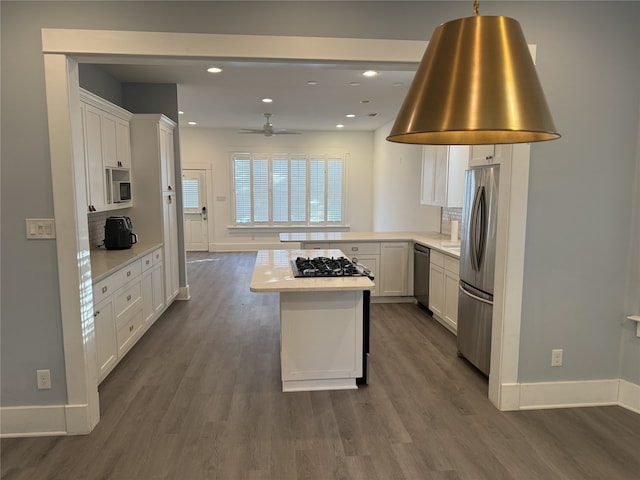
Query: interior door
{"x": 194, "y": 187}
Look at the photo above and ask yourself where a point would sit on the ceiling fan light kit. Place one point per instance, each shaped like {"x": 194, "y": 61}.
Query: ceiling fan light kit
{"x": 476, "y": 84}
{"x": 268, "y": 130}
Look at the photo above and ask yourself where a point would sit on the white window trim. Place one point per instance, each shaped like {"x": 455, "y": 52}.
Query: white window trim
{"x": 265, "y": 226}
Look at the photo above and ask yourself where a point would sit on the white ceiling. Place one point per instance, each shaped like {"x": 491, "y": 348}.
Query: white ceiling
{"x": 232, "y": 98}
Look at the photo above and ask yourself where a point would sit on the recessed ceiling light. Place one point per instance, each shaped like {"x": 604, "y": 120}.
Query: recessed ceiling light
{"x": 192, "y": 123}
{"x": 214, "y": 70}
{"x": 180, "y": 112}
{"x": 354, "y": 84}
{"x": 312, "y": 82}
{"x": 350, "y": 115}
{"x": 267, "y": 100}
{"x": 340, "y": 125}
{"x": 370, "y": 73}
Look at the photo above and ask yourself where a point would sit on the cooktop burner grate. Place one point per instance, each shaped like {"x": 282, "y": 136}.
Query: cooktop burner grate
{"x": 328, "y": 267}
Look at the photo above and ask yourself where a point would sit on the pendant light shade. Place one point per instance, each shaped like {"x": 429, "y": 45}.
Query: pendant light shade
{"x": 476, "y": 84}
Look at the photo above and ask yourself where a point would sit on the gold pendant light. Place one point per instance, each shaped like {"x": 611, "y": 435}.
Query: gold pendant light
{"x": 476, "y": 84}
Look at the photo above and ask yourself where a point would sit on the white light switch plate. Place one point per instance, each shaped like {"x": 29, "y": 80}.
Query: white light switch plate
{"x": 41, "y": 228}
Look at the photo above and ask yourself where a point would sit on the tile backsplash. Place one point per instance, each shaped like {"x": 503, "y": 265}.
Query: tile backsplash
{"x": 96, "y": 228}
{"x": 449, "y": 214}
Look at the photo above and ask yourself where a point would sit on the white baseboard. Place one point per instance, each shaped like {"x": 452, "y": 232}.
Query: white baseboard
{"x": 588, "y": 393}
{"x": 629, "y": 396}
{"x": 184, "y": 293}
{"x": 44, "y": 420}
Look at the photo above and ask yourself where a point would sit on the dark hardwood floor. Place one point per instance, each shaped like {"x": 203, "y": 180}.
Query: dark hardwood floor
{"x": 199, "y": 397}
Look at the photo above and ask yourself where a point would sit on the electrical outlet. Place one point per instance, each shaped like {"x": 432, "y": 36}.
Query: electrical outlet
{"x": 556, "y": 357}
{"x": 44, "y": 379}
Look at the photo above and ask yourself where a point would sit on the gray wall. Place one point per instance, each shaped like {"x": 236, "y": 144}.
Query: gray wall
{"x": 580, "y": 195}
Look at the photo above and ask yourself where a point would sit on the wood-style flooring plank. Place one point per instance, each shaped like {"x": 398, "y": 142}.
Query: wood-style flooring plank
{"x": 199, "y": 397}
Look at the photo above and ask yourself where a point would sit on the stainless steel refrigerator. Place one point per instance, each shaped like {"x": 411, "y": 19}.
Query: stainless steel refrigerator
{"x": 477, "y": 265}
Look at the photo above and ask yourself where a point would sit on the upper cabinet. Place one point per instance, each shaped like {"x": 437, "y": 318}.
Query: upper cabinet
{"x": 443, "y": 169}
{"x": 482, "y": 155}
{"x": 107, "y": 150}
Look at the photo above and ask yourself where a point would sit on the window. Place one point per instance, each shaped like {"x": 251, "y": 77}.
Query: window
{"x": 288, "y": 189}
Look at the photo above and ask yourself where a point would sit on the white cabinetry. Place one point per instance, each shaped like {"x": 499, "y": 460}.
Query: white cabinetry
{"x": 443, "y": 169}
{"x": 154, "y": 213}
{"x": 118, "y": 315}
{"x": 107, "y": 150}
{"x": 481, "y": 155}
{"x": 443, "y": 289}
{"x": 152, "y": 286}
{"x": 367, "y": 254}
{"x": 394, "y": 262}
{"x": 388, "y": 261}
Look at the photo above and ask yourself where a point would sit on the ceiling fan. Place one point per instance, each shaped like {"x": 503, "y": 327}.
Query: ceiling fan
{"x": 268, "y": 130}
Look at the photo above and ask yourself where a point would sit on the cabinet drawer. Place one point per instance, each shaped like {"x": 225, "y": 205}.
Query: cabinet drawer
{"x": 157, "y": 256}
{"x": 128, "y": 273}
{"x": 104, "y": 288}
{"x": 437, "y": 258}
{"x": 128, "y": 331}
{"x": 315, "y": 246}
{"x": 351, "y": 249}
{"x": 146, "y": 262}
{"x": 451, "y": 264}
{"x": 126, "y": 298}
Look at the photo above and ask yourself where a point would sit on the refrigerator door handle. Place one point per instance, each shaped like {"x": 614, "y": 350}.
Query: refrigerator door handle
{"x": 475, "y": 297}
{"x": 482, "y": 226}
{"x": 473, "y": 229}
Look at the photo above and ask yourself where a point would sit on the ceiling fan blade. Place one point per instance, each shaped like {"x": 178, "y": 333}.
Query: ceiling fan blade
{"x": 285, "y": 132}
{"x": 248, "y": 130}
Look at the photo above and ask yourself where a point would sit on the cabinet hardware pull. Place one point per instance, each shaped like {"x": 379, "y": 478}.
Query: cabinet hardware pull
{"x": 169, "y": 188}
{"x": 354, "y": 249}
{"x": 489, "y": 157}
{"x": 131, "y": 328}
{"x": 147, "y": 262}
{"x": 128, "y": 297}
{"x": 97, "y": 313}
{"x": 104, "y": 289}
{"x": 128, "y": 273}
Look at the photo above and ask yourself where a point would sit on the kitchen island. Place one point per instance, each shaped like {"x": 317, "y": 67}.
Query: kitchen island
{"x": 323, "y": 342}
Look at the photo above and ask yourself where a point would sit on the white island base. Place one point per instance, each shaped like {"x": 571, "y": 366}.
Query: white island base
{"x": 321, "y": 322}
{"x": 321, "y": 340}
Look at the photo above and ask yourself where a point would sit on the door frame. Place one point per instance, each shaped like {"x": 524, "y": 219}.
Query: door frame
{"x": 63, "y": 49}
{"x": 208, "y": 175}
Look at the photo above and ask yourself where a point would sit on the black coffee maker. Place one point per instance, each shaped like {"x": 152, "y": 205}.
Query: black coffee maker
{"x": 118, "y": 233}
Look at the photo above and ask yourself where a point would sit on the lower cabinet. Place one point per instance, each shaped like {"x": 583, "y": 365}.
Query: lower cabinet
{"x": 388, "y": 261}
{"x": 105, "y": 330}
{"x": 443, "y": 289}
{"x": 152, "y": 286}
{"x": 127, "y": 302}
{"x": 394, "y": 263}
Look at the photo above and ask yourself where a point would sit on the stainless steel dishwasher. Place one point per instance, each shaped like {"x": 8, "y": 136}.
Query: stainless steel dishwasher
{"x": 421, "y": 259}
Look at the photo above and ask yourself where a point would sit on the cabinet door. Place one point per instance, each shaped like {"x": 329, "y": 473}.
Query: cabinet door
{"x": 450, "y": 314}
{"x": 105, "y": 328}
{"x": 147, "y": 297}
{"x": 123, "y": 143}
{"x": 170, "y": 240}
{"x": 394, "y": 259}
{"x": 157, "y": 290}
{"x": 434, "y": 175}
{"x": 166, "y": 159}
{"x": 436, "y": 289}
{"x": 372, "y": 263}
{"x": 481, "y": 155}
{"x": 96, "y": 179}
{"x": 109, "y": 140}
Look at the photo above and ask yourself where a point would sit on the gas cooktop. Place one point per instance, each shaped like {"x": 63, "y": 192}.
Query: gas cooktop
{"x": 328, "y": 267}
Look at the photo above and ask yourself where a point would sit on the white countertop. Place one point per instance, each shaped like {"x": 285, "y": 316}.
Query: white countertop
{"x": 105, "y": 262}
{"x": 434, "y": 240}
{"x": 273, "y": 273}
